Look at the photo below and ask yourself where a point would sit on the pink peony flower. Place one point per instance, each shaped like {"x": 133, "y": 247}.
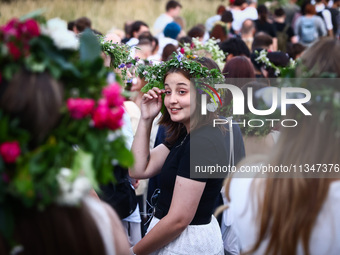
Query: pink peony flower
{"x": 11, "y": 28}
{"x": 115, "y": 116}
{"x": 10, "y": 151}
{"x": 80, "y": 107}
{"x": 182, "y": 50}
{"x": 100, "y": 116}
{"x": 112, "y": 95}
{"x": 104, "y": 117}
{"x": 30, "y": 27}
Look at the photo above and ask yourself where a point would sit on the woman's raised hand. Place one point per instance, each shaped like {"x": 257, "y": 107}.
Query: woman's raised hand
{"x": 151, "y": 103}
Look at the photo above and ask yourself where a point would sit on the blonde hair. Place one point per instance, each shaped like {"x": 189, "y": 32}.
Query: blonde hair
{"x": 290, "y": 206}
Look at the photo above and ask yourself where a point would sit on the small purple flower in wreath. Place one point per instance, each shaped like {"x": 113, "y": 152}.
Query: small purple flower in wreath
{"x": 200, "y": 91}
{"x": 128, "y": 65}
{"x": 121, "y": 65}
{"x": 179, "y": 57}
{"x": 137, "y": 59}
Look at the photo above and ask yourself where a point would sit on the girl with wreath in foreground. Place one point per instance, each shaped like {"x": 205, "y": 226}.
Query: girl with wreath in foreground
{"x": 183, "y": 221}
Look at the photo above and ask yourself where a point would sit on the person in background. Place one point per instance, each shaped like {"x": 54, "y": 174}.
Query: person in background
{"x": 326, "y": 16}
{"x": 234, "y": 47}
{"x": 241, "y": 11}
{"x": 209, "y": 24}
{"x": 263, "y": 25}
{"x": 81, "y": 24}
{"x": 247, "y": 32}
{"x": 171, "y": 32}
{"x": 173, "y": 9}
{"x": 295, "y": 50}
{"x": 309, "y": 27}
{"x": 137, "y": 28}
{"x": 284, "y": 32}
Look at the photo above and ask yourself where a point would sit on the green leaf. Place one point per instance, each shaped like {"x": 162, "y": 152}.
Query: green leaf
{"x": 83, "y": 163}
{"x": 90, "y": 49}
{"x": 32, "y": 15}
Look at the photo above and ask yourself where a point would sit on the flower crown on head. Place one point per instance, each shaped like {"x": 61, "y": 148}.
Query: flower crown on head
{"x": 262, "y": 58}
{"x": 199, "y": 49}
{"x": 79, "y": 153}
{"x": 120, "y": 56}
{"x": 154, "y": 74}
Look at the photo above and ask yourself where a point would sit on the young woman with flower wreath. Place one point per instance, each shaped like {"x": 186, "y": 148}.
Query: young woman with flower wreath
{"x": 182, "y": 222}
{"x": 297, "y": 213}
{"x": 54, "y": 118}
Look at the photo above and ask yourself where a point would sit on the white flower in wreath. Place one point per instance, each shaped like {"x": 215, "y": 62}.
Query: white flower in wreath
{"x": 71, "y": 192}
{"x": 212, "y": 106}
{"x": 62, "y": 37}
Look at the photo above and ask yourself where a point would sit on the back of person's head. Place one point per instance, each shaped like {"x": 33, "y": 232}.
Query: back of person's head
{"x": 237, "y": 71}
{"x": 185, "y": 39}
{"x": 43, "y": 232}
{"x": 295, "y": 50}
{"x": 146, "y": 35}
{"x": 35, "y": 99}
{"x": 136, "y": 26}
{"x": 262, "y": 12}
{"x": 279, "y": 59}
{"x": 172, "y": 30}
{"x": 180, "y": 21}
{"x": 310, "y": 9}
{"x": 239, "y": 3}
{"x": 82, "y": 23}
{"x": 248, "y": 27}
{"x": 238, "y": 67}
{"x": 196, "y": 32}
{"x": 227, "y": 17}
{"x": 220, "y": 9}
{"x": 261, "y": 41}
{"x": 172, "y": 5}
{"x": 71, "y": 24}
{"x": 235, "y": 46}
{"x": 219, "y": 32}
{"x": 168, "y": 50}
{"x": 322, "y": 56}
{"x": 279, "y": 12}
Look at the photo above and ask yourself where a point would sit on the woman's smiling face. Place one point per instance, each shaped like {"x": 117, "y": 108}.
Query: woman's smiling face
{"x": 178, "y": 94}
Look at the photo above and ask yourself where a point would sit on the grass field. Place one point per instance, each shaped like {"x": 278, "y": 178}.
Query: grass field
{"x": 108, "y": 14}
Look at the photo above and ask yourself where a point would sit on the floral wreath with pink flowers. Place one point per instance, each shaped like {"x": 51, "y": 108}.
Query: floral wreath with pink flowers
{"x": 81, "y": 151}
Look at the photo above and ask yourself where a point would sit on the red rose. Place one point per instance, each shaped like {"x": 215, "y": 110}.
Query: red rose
{"x": 10, "y": 151}
{"x": 182, "y": 50}
{"x": 100, "y": 116}
{"x": 114, "y": 120}
{"x": 79, "y": 107}
{"x": 112, "y": 95}
{"x": 14, "y": 50}
{"x": 31, "y": 27}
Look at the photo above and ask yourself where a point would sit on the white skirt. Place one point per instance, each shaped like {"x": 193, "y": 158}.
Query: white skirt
{"x": 195, "y": 239}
